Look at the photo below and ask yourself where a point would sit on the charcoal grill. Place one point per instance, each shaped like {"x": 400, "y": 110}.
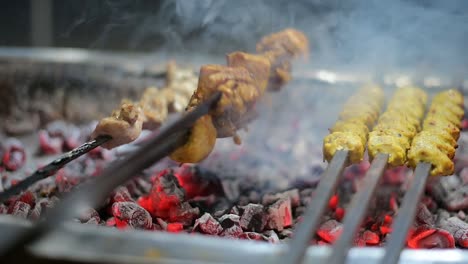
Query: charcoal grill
{"x": 86, "y": 244}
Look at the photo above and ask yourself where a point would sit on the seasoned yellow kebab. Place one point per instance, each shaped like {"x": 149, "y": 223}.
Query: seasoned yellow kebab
{"x": 242, "y": 83}
{"x": 398, "y": 125}
{"x": 437, "y": 141}
{"x": 351, "y": 131}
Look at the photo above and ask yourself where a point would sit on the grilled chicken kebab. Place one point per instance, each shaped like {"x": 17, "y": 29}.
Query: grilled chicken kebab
{"x": 398, "y": 132}
{"x": 242, "y": 83}
{"x": 351, "y": 131}
{"x": 398, "y": 125}
{"x": 437, "y": 141}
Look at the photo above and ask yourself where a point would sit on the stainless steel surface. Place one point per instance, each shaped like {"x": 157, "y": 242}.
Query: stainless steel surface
{"x": 357, "y": 209}
{"x": 406, "y": 214}
{"x": 313, "y": 214}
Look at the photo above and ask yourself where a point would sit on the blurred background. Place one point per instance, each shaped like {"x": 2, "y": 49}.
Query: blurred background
{"x": 370, "y": 34}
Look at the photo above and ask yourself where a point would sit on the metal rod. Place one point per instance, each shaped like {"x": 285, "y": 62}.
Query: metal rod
{"x": 51, "y": 168}
{"x": 406, "y": 215}
{"x": 358, "y": 209}
{"x": 94, "y": 192}
{"x": 311, "y": 219}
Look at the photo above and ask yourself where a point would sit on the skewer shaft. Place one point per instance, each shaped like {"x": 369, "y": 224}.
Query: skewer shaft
{"x": 94, "y": 192}
{"x": 358, "y": 209}
{"x": 406, "y": 215}
{"x": 311, "y": 219}
{"x": 53, "y": 167}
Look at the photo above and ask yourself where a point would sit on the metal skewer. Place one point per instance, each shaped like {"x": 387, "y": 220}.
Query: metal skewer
{"x": 406, "y": 214}
{"x": 95, "y": 191}
{"x": 358, "y": 209}
{"x": 51, "y": 168}
{"x": 306, "y": 229}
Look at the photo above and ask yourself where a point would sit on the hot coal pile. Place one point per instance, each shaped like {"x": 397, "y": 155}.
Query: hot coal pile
{"x": 214, "y": 200}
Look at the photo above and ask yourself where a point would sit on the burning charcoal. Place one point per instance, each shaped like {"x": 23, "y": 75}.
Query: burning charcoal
{"x": 458, "y": 228}
{"x": 207, "y": 225}
{"x": 461, "y": 215}
{"x": 330, "y": 230}
{"x": 430, "y": 203}
{"x": 442, "y": 215}
{"x": 426, "y": 237}
{"x": 235, "y": 210}
{"x": 370, "y": 238}
{"x": 131, "y": 214}
{"x": 252, "y": 236}
{"x": 279, "y": 214}
{"x": 49, "y": 145}
{"x": 28, "y": 197}
{"x": 253, "y": 218}
{"x": 291, "y": 194}
{"x": 88, "y": 215}
{"x": 286, "y": 233}
{"x": 464, "y": 176}
{"x": 162, "y": 223}
{"x": 174, "y": 227}
{"x": 423, "y": 216}
{"x": 221, "y": 207}
{"x": 254, "y": 197}
{"x": 195, "y": 181}
{"x": 339, "y": 213}
{"x": 20, "y": 209}
{"x": 64, "y": 183}
{"x": 457, "y": 199}
{"x": 165, "y": 195}
{"x": 132, "y": 188}
{"x": 111, "y": 222}
{"x": 14, "y": 156}
{"x": 395, "y": 176}
{"x": 35, "y": 213}
{"x": 442, "y": 187}
{"x": 231, "y": 226}
{"x": 333, "y": 203}
{"x": 184, "y": 214}
{"x": 143, "y": 185}
{"x": 243, "y": 200}
{"x": 3, "y": 209}
{"x": 306, "y": 196}
{"x": 231, "y": 189}
{"x": 271, "y": 236}
{"x": 93, "y": 221}
{"x": 121, "y": 194}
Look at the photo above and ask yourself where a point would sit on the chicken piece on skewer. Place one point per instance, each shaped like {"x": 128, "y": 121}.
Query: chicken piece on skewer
{"x": 154, "y": 106}
{"x": 438, "y": 124}
{"x": 239, "y": 94}
{"x": 258, "y": 66}
{"x": 398, "y": 125}
{"x": 437, "y": 142}
{"x": 198, "y": 143}
{"x": 124, "y": 125}
{"x": 343, "y": 141}
{"x": 351, "y": 131}
{"x": 421, "y": 151}
{"x": 355, "y": 126}
{"x": 280, "y": 48}
{"x": 291, "y": 41}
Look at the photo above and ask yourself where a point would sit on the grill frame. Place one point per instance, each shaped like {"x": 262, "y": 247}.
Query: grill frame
{"x": 88, "y": 244}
